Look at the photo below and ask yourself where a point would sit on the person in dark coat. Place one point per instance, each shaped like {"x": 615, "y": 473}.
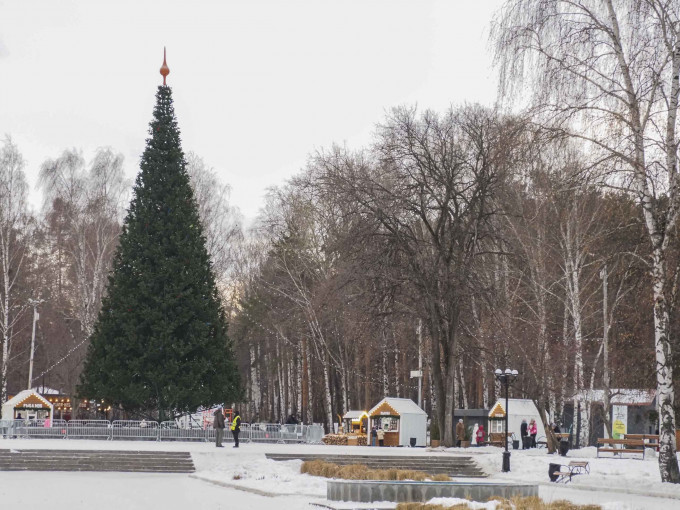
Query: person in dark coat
{"x": 218, "y": 425}
{"x": 524, "y": 432}
{"x": 236, "y": 427}
{"x": 460, "y": 432}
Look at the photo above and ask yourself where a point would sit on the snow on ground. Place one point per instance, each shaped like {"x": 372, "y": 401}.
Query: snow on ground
{"x": 616, "y": 484}
{"x": 630, "y": 473}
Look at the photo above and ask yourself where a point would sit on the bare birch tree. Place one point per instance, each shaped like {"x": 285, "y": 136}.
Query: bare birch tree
{"x": 221, "y": 221}
{"x": 606, "y": 72}
{"x": 14, "y": 233}
{"x": 85, "y": 204}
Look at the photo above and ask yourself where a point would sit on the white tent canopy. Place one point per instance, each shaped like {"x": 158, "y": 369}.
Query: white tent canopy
{"x": 402, "y": 418}
{"x": 28, "y": 403}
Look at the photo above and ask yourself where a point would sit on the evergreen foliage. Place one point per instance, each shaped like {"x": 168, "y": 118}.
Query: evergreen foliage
{"x": 160, "y": 342}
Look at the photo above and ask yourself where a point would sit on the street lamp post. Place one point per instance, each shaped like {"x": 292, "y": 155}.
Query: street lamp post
{"x": 506, "y": 378}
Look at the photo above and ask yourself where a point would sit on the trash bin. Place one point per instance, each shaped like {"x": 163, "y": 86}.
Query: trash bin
{"x": 564, "y": 448}
{"x": 553, "y": 468}
{"x": 515, "y": 444}
{"x": 413, "y": 442}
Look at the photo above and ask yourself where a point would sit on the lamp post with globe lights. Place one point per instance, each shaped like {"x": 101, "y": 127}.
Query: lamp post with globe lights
{"x": 506, "y": 378}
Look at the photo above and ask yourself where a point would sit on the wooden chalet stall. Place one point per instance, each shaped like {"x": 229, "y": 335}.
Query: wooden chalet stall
{"x": 401, "y": 419}
{"x": 355, "y": 422}
{"x": 27, "y": 405}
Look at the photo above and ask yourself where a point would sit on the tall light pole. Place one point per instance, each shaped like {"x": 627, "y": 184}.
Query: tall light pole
{"x": 36, "y": 316}
{"x": 506, "y": 378}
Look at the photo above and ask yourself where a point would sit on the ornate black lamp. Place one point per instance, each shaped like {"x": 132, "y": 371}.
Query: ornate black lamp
{"x": 506, "y": 378}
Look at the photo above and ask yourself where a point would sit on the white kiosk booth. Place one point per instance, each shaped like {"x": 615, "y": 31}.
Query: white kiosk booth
{"x": 27, "y": 405}
{"x": 401, "y": 419}
{"x": 520, "y": 409}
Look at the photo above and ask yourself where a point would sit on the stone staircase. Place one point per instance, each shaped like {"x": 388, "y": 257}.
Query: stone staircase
{"x": 460, "y": 467}
{"x": 96, "y": 460}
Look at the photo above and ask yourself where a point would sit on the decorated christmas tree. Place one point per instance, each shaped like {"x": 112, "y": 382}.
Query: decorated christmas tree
{"x": 160, "y": 343}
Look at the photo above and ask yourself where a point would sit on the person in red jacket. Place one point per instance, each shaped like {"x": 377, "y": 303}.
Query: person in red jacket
{"x": 480, "y": 435}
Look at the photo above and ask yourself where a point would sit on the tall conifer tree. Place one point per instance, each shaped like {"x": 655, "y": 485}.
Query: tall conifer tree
{"x": 160, "y": 342}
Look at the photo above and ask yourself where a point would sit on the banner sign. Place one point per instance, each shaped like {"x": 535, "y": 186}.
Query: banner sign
{"x": 619, "y": 421}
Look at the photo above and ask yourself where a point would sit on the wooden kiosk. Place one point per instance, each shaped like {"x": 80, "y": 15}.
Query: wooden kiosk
{"x": 27, "y": 405}
{"x": 401, "y": 419}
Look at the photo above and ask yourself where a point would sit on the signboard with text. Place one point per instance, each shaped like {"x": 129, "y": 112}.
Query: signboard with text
{"x": 619, "y": 421}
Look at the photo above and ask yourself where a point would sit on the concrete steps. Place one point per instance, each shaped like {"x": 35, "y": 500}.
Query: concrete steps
{"x": 96, "y": 460}
{"x": 452, "y": 466}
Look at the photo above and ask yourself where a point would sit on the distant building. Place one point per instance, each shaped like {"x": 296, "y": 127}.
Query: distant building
{"x": 634, "y": 409}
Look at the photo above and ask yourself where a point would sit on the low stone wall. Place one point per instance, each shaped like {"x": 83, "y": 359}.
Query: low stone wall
{"x": 367, "y": 491}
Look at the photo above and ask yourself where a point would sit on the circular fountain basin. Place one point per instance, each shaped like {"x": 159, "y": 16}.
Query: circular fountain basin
{"x": 368, "y": 491}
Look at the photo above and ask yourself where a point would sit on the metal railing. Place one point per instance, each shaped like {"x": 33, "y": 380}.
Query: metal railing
{"x": 171, "y": 431}
{"x": 88, "y": 429}
{"x": 136, "y": 430}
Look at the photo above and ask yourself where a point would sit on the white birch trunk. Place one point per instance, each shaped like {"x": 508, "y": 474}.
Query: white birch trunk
{"x": 327, "y": 401}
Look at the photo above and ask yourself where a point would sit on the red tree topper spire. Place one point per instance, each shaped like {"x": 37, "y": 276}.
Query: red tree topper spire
{"x": 165, "y": 70}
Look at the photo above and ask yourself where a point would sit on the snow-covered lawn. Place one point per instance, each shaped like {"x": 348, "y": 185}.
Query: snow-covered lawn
{"x": 614, "y": 483}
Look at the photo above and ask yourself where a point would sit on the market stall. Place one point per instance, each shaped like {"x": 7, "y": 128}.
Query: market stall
{"x": 355, "y": 422}
{"x": 27, "y": 405}
{"x": 401, "y": 419}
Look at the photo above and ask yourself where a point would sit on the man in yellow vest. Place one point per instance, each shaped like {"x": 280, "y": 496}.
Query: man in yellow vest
{"x": 236, "y": 427}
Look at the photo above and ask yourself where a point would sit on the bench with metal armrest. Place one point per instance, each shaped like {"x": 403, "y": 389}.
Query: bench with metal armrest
{"x": 566, "y": 472}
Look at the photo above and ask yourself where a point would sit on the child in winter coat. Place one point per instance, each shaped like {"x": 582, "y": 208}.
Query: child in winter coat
{"x": 480, "y": 435}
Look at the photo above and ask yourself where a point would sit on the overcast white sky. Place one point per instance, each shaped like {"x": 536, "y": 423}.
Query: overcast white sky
{"x": 258, "y": 85}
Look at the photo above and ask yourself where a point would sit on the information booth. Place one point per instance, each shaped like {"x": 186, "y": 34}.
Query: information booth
{"x": 402, "y": 420}
{"x": 27, "y": 405}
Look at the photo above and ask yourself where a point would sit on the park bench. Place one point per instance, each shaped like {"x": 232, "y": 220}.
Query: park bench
{"x": 631, "y": 446}
{"x": 650, "y": 440}
{"x": 565, "y": 473}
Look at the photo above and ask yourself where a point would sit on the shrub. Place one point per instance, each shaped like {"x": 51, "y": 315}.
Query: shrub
{"x": 361, "y": 472}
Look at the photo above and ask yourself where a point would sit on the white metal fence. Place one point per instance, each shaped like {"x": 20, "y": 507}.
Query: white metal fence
{"x": 153, "y": 431}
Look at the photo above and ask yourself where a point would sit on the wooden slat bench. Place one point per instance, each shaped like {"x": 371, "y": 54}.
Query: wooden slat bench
{"x": 650, "y": 440}
{"x": 566, "y": 473}
{"x": 626, "y": 446}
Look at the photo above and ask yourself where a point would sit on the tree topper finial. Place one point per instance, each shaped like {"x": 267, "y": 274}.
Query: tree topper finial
{"x": 165, "y": 70}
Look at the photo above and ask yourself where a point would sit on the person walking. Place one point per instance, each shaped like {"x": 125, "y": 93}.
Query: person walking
{"x": 381, "y": 437}
{"x": 236, "y": 427}
{"x": 524, "y": 432}
{"x": 533, "y": 430}
{"x": 460, "y": 432}
{"x": 218, "y": 425}
{"x": 374, "y": 435}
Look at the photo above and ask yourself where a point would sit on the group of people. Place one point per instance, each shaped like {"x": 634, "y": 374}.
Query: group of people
{"x": 528, "y": 433}
{"x": 377, "y": 434}
{"x": 219, "y": 426}
{"x": 478, "y": 434}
